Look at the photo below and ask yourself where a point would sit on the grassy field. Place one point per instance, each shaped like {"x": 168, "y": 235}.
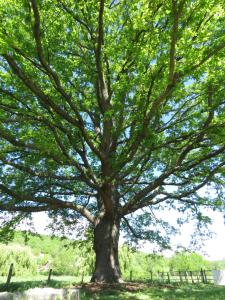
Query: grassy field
{"x": 24, "y": 283}
{"x": 126, "y": 291}
{"x": 154, "y": 292}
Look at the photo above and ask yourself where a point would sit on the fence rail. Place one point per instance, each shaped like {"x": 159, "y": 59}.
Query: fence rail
{"x": 11, "y": 274}
{"x": 201, "y": 276}
{"x": 204, "y": 276}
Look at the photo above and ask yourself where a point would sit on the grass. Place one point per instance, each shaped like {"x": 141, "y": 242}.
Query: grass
{"x": 155, "y": 292}
{"x": 126, "y": 291}
{"x": 24, "y": 283}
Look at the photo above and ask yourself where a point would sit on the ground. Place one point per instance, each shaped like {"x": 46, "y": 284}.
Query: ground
{"x": 125, "y": 291}
{"x": 137, "y": 291}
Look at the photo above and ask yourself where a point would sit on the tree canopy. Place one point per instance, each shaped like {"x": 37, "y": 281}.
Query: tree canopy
{"x": 109, "y": 107}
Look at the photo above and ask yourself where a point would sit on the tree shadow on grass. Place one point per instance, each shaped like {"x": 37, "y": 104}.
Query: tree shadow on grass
{"x": 191, "y": 292}
{"x": 129, "y": 291}
{"x": 20, "y": 286}
{"x": 154, "y": 292}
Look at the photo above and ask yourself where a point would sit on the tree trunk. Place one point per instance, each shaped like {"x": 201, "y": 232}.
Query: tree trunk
{"x": 106, "y": 237}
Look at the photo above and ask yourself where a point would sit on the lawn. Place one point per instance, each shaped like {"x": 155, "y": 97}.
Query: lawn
{"x": 154, "y": 292}
{"x": 27, "y": 282}
{"x": 126, "y": 291}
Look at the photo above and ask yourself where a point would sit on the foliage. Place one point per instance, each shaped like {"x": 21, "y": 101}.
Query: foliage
{"x": 158, "y": 263}
{"x": 217, "y": 265}
{"x": 188, "y": 261}
{"x": 139, "y": 264}
{"x": 67, "y": 257}
{"x": 24, "y": 262}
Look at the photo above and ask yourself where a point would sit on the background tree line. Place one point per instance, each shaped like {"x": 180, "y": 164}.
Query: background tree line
{"x": 38, "y": 254}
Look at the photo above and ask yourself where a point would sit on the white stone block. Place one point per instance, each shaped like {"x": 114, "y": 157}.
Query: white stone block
{"x": 219, "y": 277}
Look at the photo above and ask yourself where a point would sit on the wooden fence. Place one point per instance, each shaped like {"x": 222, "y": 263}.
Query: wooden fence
{"x": 201, "y": 276}
{"x": 10, "y": 275}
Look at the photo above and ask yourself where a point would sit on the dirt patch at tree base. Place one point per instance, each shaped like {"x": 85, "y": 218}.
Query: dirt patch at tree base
{"x": 126, "y": 286}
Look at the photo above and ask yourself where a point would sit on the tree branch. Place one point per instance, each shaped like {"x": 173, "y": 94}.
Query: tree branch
{"x": 53, "y": 202}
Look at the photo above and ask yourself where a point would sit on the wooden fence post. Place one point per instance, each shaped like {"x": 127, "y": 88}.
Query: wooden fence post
{"x": 192, "y": 279}
{"x": 131, "y": 277}
{"x": 82, "y": 277}
{"x": 202, "y": 275}
{"x": 49, "y": 276}
{"x": 151, "y": 276}
{"x": 9, "y": 274}
{"x": 180, "y": 276}
{"x": 168, "y": 277}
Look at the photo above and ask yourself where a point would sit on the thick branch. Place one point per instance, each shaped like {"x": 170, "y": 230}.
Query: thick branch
{"x": 52, "y": 74}
{"x": 29, "y": 209}
{"x": 53, "y": 202}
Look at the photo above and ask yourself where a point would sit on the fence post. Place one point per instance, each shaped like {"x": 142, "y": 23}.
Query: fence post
{"x": 192, "y": 279}
{"x": 131, "y": 273}
{"x": 82, "y": 277}
{"x": 9, "y": 274}
{"x": 151, "y": 276}
{"x": 49, "y": 276}
{"x": 202, "y": 275}
{"x": 168, "y": 277}
{"x": 180, "y": 276}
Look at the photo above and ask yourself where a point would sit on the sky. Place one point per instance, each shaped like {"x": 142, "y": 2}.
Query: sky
{"x": 214, "y": 248}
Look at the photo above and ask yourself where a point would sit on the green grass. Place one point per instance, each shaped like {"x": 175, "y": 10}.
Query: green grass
{"x": 129, "y": 291}
{"x": 183, "y": 292}
{"x": 24, "y": 283}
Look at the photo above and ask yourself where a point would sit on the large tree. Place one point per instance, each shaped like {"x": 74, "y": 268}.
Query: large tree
{"x": 109, "y": 107}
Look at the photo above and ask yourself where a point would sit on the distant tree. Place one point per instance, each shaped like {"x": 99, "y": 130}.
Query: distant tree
{"x": 22, "y": 258}
{"x": 140, "y": 263}
{"x": 104, "y": 105}
{"x": 217, "y": 264}
{"x": 158, "y": 263}
{"x": 191, "y": 261}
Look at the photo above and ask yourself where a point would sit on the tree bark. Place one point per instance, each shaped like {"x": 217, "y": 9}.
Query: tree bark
{"x": 106, "y": 238}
